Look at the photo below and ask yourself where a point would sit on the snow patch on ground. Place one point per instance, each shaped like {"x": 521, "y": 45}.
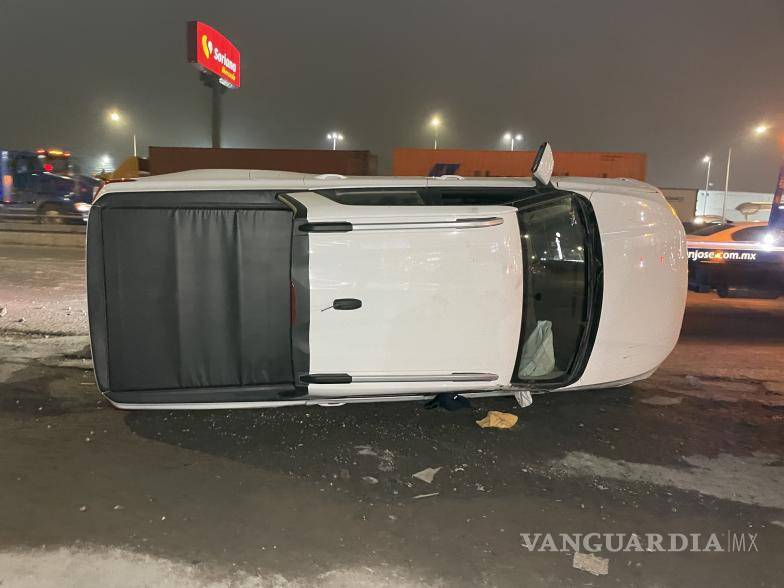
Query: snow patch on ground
{"x": 118, "y": 568}
{"x": 755, "y": 480}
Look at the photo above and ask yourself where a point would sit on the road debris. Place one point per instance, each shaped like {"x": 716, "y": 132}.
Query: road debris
{"x": 498, "y": 420}
{"x": 427, "y": 475}
{"x": 418, "y": 496}
{"x": 593, "y": 564}
{"x": 365, "y": 450}
{"x": 3, "y": 311}
{"x": 449, "y": 401}
{"x": 523, "y": 398}
{"x": 370, "y": 480}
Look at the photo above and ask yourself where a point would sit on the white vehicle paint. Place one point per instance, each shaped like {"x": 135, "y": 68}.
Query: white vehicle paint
{"x": 442, "y": 287}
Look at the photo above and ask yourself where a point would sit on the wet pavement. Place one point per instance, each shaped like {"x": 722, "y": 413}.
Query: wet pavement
{"x": 325, "y": 496}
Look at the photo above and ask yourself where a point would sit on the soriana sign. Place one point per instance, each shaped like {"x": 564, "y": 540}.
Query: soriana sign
{"x": 211, "y": 51}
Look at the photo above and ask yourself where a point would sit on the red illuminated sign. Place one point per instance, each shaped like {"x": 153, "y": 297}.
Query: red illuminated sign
{"x": 211, "y": 51}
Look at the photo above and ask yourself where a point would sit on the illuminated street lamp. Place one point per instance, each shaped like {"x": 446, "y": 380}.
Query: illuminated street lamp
{"x": 334, "y": 136}
{"x": 117, "y": 119}
{"x": 707, "y": 159}
{"x": 759, "y": 130}
{"x": 105, "y": 163}
{"x": 435, "y": 124}
{"x": 510, "y": 138}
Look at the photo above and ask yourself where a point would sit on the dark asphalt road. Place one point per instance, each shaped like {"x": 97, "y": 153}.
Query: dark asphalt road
{"x": 325, "y": 496}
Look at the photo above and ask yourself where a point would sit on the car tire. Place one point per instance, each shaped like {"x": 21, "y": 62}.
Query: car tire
{"x": 50, "y": 215}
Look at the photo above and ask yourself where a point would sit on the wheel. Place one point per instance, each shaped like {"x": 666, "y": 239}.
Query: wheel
{"x": 50, "y": 215}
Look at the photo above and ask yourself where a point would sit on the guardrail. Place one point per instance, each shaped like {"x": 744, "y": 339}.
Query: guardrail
{"x": 47, "y": 218}
{"x": 18, "y": 232}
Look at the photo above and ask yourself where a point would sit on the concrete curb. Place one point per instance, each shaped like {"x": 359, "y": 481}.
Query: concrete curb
{"x": 40, "y": 238}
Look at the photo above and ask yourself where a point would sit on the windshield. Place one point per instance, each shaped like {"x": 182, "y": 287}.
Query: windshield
{"x": 561, "y": 281}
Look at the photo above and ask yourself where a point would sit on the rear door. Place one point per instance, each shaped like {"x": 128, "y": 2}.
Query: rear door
{"x": 189, "y": 297}
{"x": 406, "y": 298}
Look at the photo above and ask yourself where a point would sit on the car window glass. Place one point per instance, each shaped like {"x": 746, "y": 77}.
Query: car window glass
{"x": 751, "y": 234}
{"x": 554, "y": 240}
{"x": 708, "y": 230}
{"x": 375, "y": 197}
{"x": 425, "y": 196}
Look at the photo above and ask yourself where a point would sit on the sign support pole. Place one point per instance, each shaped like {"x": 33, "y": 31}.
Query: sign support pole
{"x": 216, "y": 113}
{"x": 217, "y": 89}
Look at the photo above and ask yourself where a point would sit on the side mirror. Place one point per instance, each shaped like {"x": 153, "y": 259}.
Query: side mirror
{"x": 542, "y": 169}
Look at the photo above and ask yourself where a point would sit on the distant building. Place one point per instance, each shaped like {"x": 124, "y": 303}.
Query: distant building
{"x": 165, "y": 160}
{"x": 682, "y": 200}
{"x": 432, "y": 162}
{"x": 740, "y": 206}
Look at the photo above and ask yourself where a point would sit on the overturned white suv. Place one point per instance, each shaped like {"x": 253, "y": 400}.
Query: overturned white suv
{"x": 229, "y": 288}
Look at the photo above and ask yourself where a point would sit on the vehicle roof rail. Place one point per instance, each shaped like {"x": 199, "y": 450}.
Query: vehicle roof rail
{"x": 331, "y": 177}
{"x": 450, "y": 177}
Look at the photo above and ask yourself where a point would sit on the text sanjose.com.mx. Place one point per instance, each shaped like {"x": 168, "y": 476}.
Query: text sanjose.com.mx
{"x": 696, "y": 254}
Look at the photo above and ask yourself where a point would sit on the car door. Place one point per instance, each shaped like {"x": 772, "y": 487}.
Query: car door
{"x": 410, "y": 298}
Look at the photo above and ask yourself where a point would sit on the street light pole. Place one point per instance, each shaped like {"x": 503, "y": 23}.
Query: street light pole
{"x": 707, "y": 159}
{"x": 334, "y": 136}
{"x": 512, "y": 138}
{"x": 707, "y": 177}
{"x": 759, "y": 130}
{"x": 726, "y": 187}
{"x": 117, "y": 119}
{"x": 435, "y": 122}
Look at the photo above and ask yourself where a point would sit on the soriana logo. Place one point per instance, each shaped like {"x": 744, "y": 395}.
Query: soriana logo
{"x": 211, "y": 51}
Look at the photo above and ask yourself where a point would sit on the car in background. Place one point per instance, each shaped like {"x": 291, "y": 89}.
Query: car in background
{"x": 737, "y": 260}
{"x": 30, "y": 192}
{"x": 702, "y": 223}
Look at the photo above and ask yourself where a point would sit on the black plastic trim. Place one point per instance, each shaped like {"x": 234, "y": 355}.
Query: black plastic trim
{"x": 326, "y": 227}
{"x": 267, "y": 392}
{"x": 326, "y": 378}
{"x": 346, "y": 304}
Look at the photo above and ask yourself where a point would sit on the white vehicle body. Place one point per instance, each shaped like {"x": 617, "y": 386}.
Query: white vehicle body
{"x": 441, "y": 287}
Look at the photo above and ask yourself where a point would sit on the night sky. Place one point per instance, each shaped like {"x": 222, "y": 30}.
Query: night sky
{"x": 673, "y": 79}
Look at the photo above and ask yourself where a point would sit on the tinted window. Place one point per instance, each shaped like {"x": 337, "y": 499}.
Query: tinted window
{"x": 753, "y": 234}
{"x": 708, "y": 230}
{"x": 375, "y": 197}
{"x": 478, "y": 198}
{"x": 555, "y": 291}
{"x": 426, "y": 196}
